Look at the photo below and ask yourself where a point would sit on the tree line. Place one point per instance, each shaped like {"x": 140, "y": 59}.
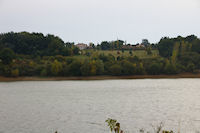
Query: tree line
{"x": 33, "y": 54}
{"x": 36, "y": 44}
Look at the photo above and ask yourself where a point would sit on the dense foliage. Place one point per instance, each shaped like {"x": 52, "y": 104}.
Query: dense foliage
{"x": 33, "y": 54}
{"x": 105, "y": 45}
{"x": 36, "y": 44}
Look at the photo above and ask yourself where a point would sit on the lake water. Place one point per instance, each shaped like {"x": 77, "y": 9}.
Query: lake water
{"x": 83, "y": 106}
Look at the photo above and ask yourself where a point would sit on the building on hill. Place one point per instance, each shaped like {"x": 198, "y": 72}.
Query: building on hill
{"x": 127, "y": 47}
{"x": 140, "y": 46}
{"x": 81, "y": 46}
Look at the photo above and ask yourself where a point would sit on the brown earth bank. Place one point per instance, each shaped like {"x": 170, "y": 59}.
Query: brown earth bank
{"x": 183, "y": 75}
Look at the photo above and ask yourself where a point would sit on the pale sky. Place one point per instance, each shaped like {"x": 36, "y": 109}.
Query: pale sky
{"x": 98, "y": 20}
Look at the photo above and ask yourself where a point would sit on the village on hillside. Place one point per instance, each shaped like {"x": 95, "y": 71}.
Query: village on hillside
{"x": 140, "y": 46}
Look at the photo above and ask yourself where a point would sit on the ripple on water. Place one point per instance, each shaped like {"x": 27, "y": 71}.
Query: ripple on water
{"x": 83, "y": 106}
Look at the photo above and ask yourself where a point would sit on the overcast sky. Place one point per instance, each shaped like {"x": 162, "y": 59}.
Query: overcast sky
{"x": 98, "y": 20}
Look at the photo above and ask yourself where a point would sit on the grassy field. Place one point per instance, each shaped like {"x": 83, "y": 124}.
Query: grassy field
{"x": 139, "y": 53}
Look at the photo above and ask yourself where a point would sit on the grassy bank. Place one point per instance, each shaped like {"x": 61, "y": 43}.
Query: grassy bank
{"x": 139, "y": 53}
{"x": 183, "y": 75}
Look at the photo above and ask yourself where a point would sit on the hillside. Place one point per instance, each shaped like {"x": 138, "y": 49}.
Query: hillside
{"x": 34, "y": 54}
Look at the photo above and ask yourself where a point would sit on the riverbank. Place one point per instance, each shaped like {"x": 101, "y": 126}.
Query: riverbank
{"x": 183, "y": 75}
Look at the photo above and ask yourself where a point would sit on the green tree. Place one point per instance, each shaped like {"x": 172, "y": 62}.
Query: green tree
{"x": 105, "y": 45}
{"x": 115, "y": 69}
{"x": 35, "y": 44}
{"x": 7, "y": 55}
{"x": 93, "y": 67}
{"x": 74, "y": 68}
{"x": 190, "y": 67}
{"x": 145, "y": 42}
{"x": 134, "y": 59}
{"x": 7, "y": 71}
{"x": 154, "y": 69}
{"x": 85, "y": 68}
{"x": 175, "y": 53}
{"x": 43, "y": 73}
{"x": 56, "y": 68}
{"x": 76, "y": 51}
{"x": 128, "y": 68}
{"x": 66, "y": 70}
{"x": 99, "y": 67}
{"x": 169, "y": 68}
{"x": 140, "y": 68}
{"x": 196, "y": 46}
{"x": 15, "y": 72}
{"x": 183, "y": 47}
{"x": 165, "y": 47}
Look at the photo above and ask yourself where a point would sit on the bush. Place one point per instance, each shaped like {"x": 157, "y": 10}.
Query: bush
{"x": 154, "y": 69}
{"x": 85, "y": 68}
{"x": 74, "y": 68}
{"x": 115, "y": 70}
{"x": 128, "y": 68}
{"x": 15, "y": 73}
{"x": 43, "y": 73}
{"x": 170, "y": 69}
{"x": 190, "y": 67}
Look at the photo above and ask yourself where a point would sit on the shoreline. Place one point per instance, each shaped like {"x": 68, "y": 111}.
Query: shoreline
{"x": 183, "y": 75}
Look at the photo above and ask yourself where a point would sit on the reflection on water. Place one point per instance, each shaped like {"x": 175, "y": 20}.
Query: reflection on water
{"x": 83, "y": 106}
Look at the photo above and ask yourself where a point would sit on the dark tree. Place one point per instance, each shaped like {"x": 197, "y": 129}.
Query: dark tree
{"x": 7, "y": 55}
{"x": 165, "y": 47}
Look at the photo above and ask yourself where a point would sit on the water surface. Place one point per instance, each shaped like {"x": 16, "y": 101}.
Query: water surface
{"x": 83, "y": 106}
